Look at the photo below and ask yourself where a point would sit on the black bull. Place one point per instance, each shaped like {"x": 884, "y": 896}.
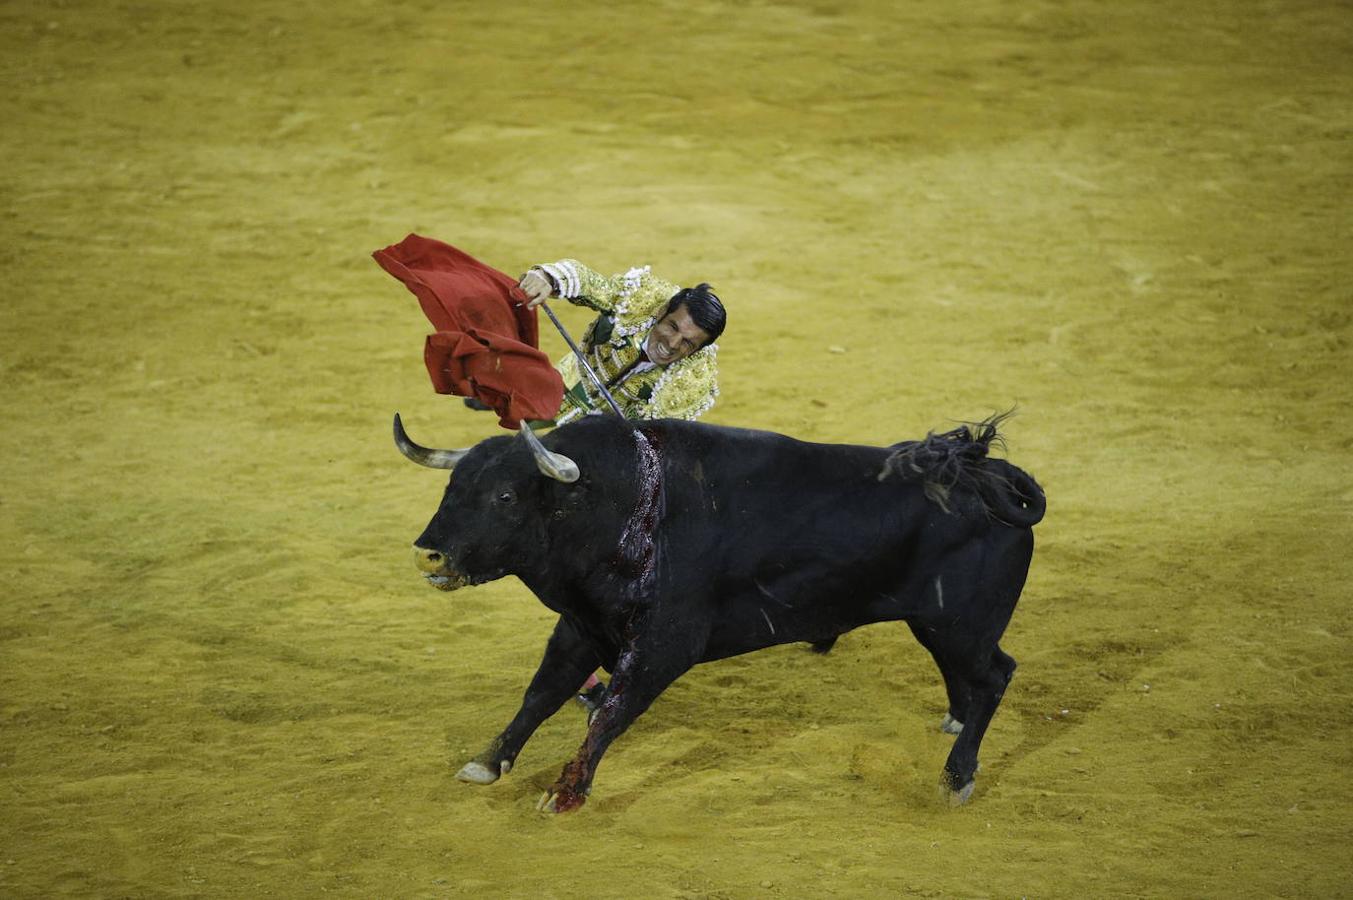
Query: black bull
{"x": 673, "y": 543}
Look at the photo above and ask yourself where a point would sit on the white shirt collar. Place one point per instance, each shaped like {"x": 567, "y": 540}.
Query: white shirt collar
{"x": 645, "y": 364}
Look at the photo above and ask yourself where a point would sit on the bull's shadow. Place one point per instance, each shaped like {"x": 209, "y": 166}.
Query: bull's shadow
{"x": 664, "y": 544}
{"x": 771, "y": 724}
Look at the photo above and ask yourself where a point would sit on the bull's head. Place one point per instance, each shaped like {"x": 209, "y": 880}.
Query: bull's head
{"x": 491, "y": 516}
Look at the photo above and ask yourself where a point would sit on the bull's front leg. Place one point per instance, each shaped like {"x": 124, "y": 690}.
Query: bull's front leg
{"x": 644, "y": 670}
{"x": 568, "y": 660}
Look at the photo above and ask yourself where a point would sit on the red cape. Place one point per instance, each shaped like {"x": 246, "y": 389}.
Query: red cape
{"x": 486, "y": 341}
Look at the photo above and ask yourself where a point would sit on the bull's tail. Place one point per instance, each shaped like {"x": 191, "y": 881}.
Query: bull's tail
{"x": 958, "y": 460}
{"x": 1019, "y": 501}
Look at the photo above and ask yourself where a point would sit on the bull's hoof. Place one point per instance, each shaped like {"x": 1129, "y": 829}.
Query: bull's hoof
{"x": 476, "y": 772}
{"x": 950, "y": 725}
{"x": 559, "y": 799}
{"x": 956, "y": 798}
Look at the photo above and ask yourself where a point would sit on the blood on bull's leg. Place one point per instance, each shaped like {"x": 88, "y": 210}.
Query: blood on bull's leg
{"x": 568, "y": 660}
{"x": 643, "y": 671}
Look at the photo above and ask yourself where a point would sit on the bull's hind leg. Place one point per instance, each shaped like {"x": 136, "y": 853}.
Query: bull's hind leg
{"x": 568, "y": 660}
{"x": 984, "y": 586}
{"x": 986, "y": 675}
{"x": 1005, "y": 662}
{"x": 954, "y": 686}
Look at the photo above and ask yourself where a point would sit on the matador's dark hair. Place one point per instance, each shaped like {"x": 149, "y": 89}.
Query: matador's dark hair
{"x": 705, "y": 307}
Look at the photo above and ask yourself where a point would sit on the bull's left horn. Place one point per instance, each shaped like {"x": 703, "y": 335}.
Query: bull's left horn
{"x": 425, "y": 456}
{"x": 556, "y": 465}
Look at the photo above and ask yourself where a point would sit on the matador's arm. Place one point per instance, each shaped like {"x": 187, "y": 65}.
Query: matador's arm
{"x": 637, "y": 294}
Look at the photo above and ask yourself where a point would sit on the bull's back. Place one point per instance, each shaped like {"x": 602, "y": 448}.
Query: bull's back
{"x": 776, "y": 540}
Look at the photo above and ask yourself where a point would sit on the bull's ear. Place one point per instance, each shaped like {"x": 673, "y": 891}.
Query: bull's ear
{"x": 425, "y": 456}
{"x": 556, "y": 465}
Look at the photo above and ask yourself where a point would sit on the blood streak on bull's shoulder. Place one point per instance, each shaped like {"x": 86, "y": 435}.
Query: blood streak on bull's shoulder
{"x": 636, "y": 554}
{"x": 636, "y": 560}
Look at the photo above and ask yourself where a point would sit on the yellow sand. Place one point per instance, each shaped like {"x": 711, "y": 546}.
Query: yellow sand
{"x": 220, "y": 674}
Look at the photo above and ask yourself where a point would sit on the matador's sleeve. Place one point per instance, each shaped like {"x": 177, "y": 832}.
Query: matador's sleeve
{"x": 635, "y": 295}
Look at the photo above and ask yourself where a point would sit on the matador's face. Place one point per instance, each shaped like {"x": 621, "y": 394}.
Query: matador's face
{"x": 674, "y": 337}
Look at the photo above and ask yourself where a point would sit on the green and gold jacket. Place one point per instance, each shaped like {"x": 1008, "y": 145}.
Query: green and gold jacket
{"x": 630, "y": 305}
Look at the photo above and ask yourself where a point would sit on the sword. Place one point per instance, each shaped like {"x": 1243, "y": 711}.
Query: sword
{"x": 582, "y": 360}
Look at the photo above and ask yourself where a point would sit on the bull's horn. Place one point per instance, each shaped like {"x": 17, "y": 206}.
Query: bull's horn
{"x": 425, "y": 456}
{"x": 556, "y": 465}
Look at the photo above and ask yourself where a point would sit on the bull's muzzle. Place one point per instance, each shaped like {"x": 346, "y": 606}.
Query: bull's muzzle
{"x": 437, "y": 570}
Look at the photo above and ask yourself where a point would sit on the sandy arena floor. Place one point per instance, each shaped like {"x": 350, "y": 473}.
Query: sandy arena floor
{"x": 220, "y": 675}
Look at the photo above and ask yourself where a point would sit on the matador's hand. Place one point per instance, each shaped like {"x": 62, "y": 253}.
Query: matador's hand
{"x": 536, "y": 287}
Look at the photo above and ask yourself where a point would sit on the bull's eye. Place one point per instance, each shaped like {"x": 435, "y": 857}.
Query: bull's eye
{"x": 506, "y": 497}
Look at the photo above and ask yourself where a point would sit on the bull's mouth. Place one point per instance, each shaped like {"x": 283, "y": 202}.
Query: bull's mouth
{"x": 447, "y": 582}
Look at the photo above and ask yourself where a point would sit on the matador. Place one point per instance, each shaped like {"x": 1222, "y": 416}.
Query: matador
{"x": 652, "y": 344}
